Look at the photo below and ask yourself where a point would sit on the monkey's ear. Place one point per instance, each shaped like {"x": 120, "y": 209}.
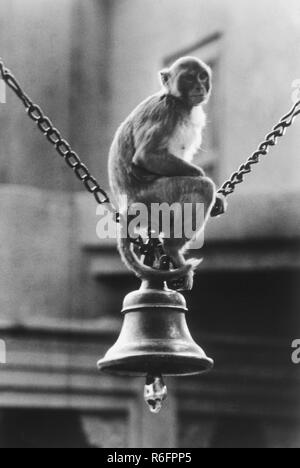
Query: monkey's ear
{"x": 164, "y": 76}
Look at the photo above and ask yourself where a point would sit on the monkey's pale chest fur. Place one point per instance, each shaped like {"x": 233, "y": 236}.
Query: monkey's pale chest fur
{"x": 187, "y": 137}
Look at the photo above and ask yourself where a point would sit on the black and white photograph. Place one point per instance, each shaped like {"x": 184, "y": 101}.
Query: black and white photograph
{"x": 149, "y": 226}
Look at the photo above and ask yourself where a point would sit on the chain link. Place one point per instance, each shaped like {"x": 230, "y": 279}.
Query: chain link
{"x": 54, "y": 137}
{"x": 271, "y": 140}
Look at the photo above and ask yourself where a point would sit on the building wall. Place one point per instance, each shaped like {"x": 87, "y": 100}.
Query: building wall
{"x": 58, "y": 51}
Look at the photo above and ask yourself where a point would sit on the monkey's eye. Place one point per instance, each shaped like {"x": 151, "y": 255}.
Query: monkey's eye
{"x": 204, "y": 76}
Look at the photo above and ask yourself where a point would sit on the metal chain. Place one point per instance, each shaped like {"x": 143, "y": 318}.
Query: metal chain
{"x": 271, "y": 140}
{"x": 54, "y": 137}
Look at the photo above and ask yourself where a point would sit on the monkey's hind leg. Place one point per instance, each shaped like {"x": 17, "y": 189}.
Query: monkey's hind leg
{"x": 178, "y": 260}
{"x": 196, "y": 191}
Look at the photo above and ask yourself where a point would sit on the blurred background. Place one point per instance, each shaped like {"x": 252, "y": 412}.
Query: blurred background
{"x": 88, "y": 63}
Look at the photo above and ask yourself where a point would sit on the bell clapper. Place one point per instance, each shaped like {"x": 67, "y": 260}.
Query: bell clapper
{"x": 155, "y": 392}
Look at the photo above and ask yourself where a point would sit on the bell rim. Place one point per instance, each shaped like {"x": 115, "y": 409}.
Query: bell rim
{"x": 154, "y": 307}
{"x": 122, "y": 366}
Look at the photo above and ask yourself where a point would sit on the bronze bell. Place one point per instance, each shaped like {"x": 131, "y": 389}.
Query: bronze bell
{"x": 155, "y": 341}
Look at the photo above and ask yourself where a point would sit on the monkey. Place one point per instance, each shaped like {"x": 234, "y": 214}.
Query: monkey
{"x": 151, "y": 161}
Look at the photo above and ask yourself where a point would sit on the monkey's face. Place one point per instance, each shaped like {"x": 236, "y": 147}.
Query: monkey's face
{"x": 194, "y": 85}
{"x": 190, "y": 80}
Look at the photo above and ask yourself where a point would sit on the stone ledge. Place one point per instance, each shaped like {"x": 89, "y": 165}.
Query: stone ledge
{"x": 103, "y": 326}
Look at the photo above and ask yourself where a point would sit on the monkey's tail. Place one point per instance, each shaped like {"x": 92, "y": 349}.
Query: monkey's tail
{"x": 142, "y": 271}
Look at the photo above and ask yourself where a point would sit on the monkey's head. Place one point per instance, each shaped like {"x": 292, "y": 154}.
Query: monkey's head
{"x": 188, "y": 79}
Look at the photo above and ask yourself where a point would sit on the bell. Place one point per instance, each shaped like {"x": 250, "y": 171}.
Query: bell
{"x": 155, "y": 340}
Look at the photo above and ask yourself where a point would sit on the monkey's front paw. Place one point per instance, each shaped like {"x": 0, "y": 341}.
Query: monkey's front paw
{"x": 176, "y": 285}
{"x": 220, "y": 206}
{"x": 182, "y": 284}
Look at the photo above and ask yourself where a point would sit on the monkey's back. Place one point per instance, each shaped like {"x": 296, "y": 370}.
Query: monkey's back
{"x": 156, "y": 110}
{"x": 120, "y": 156}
